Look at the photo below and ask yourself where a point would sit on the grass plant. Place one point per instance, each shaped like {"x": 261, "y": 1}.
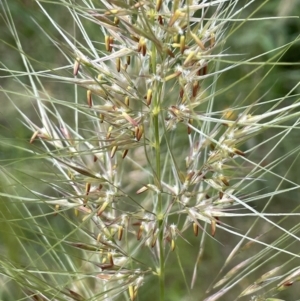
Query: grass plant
{"x": 138, "y": 175}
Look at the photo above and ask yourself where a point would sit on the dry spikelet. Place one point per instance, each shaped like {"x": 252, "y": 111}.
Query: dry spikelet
{"x": 131, "y": 292}
{"x": 142, "y": 46}
{"x": 182, "y": 44}
{"x": 198, "y": 41}
{"x": 140, "y": 132}
{"x": 140, "y": 232}
{"x": 224, "y": 180}
{"x": 102, "y": 208}
{"x": 108, "y": 135}
{"x": 174, "y": 18}
{"x": 101, "y": 117}
{"x": 149, "y": 97}
{"x": 113, "y": 151}
{"x": 35, "y": 134}
{"x": 89, "y": 98}
{"x": 195, "y": 229}
{"x": 195, "y": 88}
{"x": 160, "y": 20}
{"x": 213, "y": 227}
{"x": 173, "y": 245}
{"x": 76, "y": 67}
{"x": 107, "y": 41}
{"x": 181, "y": 92}
{"x": 189, "y": 58}
{"x": 154, "y": 238}
{"x": 118, "y": 64}
{"x": 141, "y": 190}
{"x": 120, "y": 232}
{"x": 124, "y": 154}
{"x": 116, "y": 21}
{"x": 56, "y": 209}
{"x": 238, "y": 152}
{"x": 158, "y": 5}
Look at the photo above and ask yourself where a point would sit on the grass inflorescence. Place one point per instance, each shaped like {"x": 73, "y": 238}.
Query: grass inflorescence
{"x": 144, "y": 159}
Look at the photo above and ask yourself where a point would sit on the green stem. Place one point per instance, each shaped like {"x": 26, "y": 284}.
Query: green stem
{"x": 162, "y": 261}
{"x": 160, "y": 216}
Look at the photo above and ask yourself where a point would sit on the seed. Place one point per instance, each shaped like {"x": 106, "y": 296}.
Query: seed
{"x": 76, "y": 67}
{"x": 112, "y": 12}
{"x": 108, "y": 135}
{"x": 142, "y": 46}
{"x": 124, "y": 153}
{"x": 154, "y": 239}
{"x": 140, "y": 232}
{"x": 118, "y": 64}
{"x": 33, "y": 136}
{"x": 107, "y": 40}
{"x": 89, "y": 98}
{"x": 110, "y": 258}
{"x": 158, "y": 5}
{"x": 189, "y": 58}
{"x": 113, "y": 151}
{"x": 173, "y": 245}
{"x": 225, "y": 181}
{"x": 195, "y": 229}
{"x": 149, "y": 97}
{"x": 198, "y": 41}
{"x": 213, "y": 227}
{"x": 141, "y": 190}
{"x": 102, "y": 208}
{"x": 140, "y": 132}
{"x": 195, "y": 88}
{"x": 182, "y": 44}
{"x": 238, "y": 152}
{"x": 175, "y": 17}
{"x": 116, "y": 20}
{"x": 173, "y": 75}
{"x": 170, "y": 53}
{"x": 120, "y": 233}
{"x": 111, "y": 40}
{"x": 101, "y": 117}
{"x": 181, "y": 92}
{"x": 131, "y": 292}
{"x": 108, "y": 43}
{"x": 160, "y": 20}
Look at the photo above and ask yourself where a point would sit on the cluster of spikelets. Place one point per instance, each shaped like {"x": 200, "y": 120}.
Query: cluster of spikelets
{"x": 147, "y": 158}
